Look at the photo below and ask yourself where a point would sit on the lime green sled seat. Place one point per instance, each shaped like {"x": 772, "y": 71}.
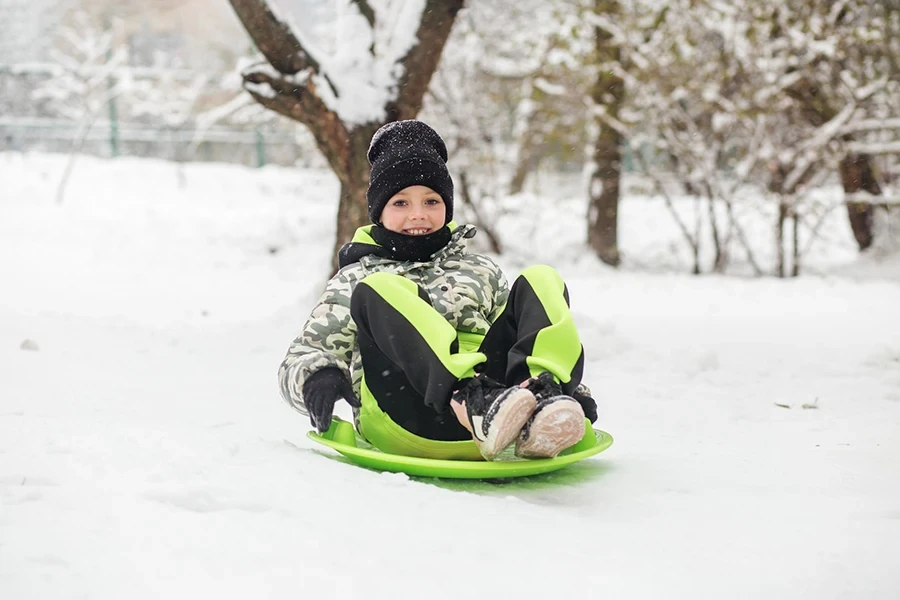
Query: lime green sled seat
{"x": 342, "y": 437}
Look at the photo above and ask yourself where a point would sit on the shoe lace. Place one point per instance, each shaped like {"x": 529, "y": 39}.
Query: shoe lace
{"x": 476, "y": 391}
{"x": 545, "y": 386}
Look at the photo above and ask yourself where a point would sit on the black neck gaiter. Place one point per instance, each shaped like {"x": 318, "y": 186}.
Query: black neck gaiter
{"x": 417, "y": 248}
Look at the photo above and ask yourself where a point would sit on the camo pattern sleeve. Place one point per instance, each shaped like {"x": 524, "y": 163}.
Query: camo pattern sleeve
{"x": 327, "y": 340}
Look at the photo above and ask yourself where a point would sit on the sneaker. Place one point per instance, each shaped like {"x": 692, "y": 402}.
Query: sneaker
{"x": 496, "y": 413}
{"x": 557, "y": 422}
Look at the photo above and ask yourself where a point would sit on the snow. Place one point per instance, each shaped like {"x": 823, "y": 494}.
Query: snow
{"x": 145, "y": 453}
{"x": 361, "y": 63}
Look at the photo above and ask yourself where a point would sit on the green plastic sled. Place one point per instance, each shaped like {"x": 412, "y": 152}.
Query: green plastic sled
{"x": 342, "y": 437}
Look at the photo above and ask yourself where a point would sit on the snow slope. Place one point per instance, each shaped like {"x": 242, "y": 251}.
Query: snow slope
{"x": 144, "y": 452}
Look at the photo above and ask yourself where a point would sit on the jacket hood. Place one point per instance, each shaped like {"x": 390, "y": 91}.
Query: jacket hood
{"x": 362, "y": 244}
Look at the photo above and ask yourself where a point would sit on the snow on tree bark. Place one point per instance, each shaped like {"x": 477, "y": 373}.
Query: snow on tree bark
{"x": 380, "y": 75}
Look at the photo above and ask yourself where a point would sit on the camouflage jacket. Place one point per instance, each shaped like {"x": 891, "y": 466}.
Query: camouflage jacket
{"x": 469, "y": 290}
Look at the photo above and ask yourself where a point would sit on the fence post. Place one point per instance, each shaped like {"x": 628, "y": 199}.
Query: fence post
{"x": 113, "y": 128}
{"x": 113, "y": 111}
{"x": 111, "y": 92}
{"x": 260, "y": 149}
{"x": 627, "y": 157}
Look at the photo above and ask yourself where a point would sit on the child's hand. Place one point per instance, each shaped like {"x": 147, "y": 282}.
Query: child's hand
{"x": 321, "y": 391}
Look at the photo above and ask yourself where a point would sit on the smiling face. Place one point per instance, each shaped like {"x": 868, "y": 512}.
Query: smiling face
{"x": 416, "y": 210}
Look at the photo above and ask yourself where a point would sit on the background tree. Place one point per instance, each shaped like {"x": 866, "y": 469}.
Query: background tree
{"x": 378, "y": 73}
{"x": 608, "y": 95}
{"x": 712, "y": 89}
{"x": 473, "y": 100}
{"x": 842, "y": 53}
{"x": 85, "y": 83}
{"x": 510, "y": 98}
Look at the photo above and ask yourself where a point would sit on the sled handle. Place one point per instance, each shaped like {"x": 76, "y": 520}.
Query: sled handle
{"x": 341, "y": 432}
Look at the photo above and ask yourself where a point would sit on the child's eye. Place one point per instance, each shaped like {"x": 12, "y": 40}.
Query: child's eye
{"x": 399, "y": 202}
{"x": 432, "y": 201}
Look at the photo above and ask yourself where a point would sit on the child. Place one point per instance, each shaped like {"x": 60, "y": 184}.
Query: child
{"x": 413, "y": 325}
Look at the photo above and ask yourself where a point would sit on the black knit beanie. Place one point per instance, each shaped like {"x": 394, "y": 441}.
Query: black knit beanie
{"x": 405, "y": 153}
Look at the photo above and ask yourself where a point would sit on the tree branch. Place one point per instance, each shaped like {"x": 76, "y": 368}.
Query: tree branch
{"x": 288, "y": 86}
{"x": 422, "y": 59}
{"x": 814, "y": 107}
{"x": 693, "y": 242}
{"x": 365, "y": 9}
{"x": 466, "y": 194}
{"x": 295, "y": 97}
{"x": 273, "y": 37}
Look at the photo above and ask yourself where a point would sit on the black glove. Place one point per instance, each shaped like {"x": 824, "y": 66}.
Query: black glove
{"x": 588, "y": 404}
{"x": 321, "y": 391}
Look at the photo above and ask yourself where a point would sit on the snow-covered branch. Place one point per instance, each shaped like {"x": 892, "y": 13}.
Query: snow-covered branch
{"x": 273, "y": 37}
{"x": 874, "y": 148}
{"x": 866, "y": 125}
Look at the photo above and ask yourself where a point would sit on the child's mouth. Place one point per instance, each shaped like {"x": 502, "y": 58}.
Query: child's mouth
{"x": 416, "y": 231}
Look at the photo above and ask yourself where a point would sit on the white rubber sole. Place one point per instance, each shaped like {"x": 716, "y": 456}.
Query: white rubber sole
{"x": 556, "y": 427}
{"x": 507, "y": 423}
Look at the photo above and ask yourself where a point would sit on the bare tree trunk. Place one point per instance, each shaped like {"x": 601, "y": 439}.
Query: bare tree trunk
{"x": 857, "y": 175}
{"x": 695, "y": 255}
{"x": 721, "y": 259}
{"x": 530, "y": 139}
{"x": 528, "y": 160}
{"x": 779, "y": 235}
{"x": 855, "y": 170}
{"x": 778, "y": 174}
{"x": 353, "y": 209}
{"x": 795, "y": 237}
{"x": 603, "y": 214}
{"x": 603, "y": 187}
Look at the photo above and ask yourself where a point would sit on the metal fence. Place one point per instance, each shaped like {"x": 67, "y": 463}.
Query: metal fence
{"x": 111, "y": 139}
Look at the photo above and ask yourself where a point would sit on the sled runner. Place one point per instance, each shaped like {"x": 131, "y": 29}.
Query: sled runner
{"x": 342, "y": 437}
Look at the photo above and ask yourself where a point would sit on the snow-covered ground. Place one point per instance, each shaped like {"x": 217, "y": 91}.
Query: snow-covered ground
{"x": 145, "y": 453}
